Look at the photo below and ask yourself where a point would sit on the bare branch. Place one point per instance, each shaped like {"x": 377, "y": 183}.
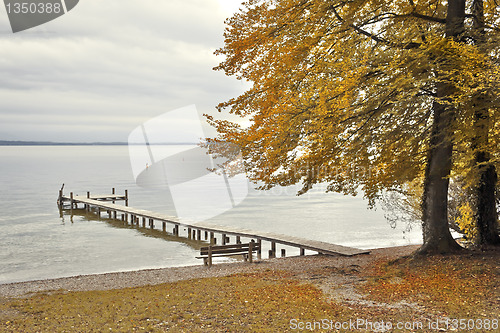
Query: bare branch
{"x": 406, "y": 46}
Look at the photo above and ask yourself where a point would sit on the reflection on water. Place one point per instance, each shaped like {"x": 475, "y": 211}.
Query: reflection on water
{"x": 144, "y": 231}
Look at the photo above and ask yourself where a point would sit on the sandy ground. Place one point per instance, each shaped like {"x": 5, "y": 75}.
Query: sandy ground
{"x": 322, "y": 270}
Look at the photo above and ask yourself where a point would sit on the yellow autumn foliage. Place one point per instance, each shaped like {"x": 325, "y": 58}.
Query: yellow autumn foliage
{"x": 466, "y": 221}
{"x": 342, "y": 91}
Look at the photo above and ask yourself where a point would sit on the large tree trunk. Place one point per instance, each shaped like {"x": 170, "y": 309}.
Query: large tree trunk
{"x": 486, "y": 211}
{"x": 436, "y": 232}
{"x": 486, "y": 214}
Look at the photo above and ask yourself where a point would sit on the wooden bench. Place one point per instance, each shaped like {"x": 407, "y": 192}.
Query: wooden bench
{"x": 246, "y": 249}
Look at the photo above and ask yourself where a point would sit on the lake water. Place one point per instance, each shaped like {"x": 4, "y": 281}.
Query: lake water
{"x": 36, "y": 242}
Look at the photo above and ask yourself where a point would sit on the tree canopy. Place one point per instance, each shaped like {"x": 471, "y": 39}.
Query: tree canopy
{"x": 345, "y": 92}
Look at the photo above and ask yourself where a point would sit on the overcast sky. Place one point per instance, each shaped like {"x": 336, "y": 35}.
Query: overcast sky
{"x": 107, "y": 66}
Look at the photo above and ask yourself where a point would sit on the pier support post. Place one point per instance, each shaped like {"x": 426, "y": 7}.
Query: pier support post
{"x": 151, "y": 223}
{"x": 198, "y": 234}
{"x": 302, "y": 251}
{"x": 273, "y": 249}
{"x": 123, "y": 217}
{"x": 212, "y": 238}
{"x": 206, "y": 235}
{"x": 189, "y": 233}
{"x": 176, "y": 230}
{"x": 164, "y": 226}
{"x": 238, "y": 240}
{"x": 99, "y": 213}
{"x": 224, "y": 238}
{"x": 87, "y": 207}
{"x": 283, "y": 253}
{"x": 71, "y": 202}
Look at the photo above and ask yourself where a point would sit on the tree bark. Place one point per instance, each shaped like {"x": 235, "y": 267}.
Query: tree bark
{"x": 486, "y": 211}
{"x": 486, "y": 214}
{"x": 436, "y": 232}
{"x": 435, "y": 228}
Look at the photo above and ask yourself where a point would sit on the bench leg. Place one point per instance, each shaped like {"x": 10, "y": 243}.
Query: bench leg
{"x": 209, "y": 256}
{"x": 205, "y": 262}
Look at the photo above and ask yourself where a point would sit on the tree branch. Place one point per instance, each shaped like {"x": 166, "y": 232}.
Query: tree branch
{"x": 406, "y": 46}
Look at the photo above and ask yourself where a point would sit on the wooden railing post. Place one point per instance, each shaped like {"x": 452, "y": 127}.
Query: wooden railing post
{"x": 259, "y": 251}
{"x": 61, "y": 194}
{"x": 60, "y": 200}
{"x": 209, "y": 256}
{"x": 250, "y": 251}
{"x": 126, "y": 198}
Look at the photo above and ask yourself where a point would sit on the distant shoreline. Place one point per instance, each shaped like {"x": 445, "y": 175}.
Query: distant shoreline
{"x": 50, "y": 143}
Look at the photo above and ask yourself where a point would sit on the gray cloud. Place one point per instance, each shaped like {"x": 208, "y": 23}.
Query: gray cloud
{"x": 99, "y": 71}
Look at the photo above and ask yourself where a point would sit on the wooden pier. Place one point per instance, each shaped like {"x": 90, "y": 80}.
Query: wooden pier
{"x": 202, "y": 231}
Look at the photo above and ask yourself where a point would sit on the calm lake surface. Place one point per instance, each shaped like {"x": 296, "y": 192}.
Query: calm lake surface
{"x": 36, "y": 242}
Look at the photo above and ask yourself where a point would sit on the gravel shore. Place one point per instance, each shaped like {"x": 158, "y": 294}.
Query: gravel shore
{"x": 305, "y": 267}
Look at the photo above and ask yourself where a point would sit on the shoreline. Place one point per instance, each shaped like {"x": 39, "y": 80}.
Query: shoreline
{"x": 130, "y": 279}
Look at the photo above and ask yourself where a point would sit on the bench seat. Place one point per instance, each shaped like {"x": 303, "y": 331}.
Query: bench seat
{"x": 245, "y": 249}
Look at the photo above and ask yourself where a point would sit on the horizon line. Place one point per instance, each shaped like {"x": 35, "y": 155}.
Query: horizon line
{"x": 54, "y": 143}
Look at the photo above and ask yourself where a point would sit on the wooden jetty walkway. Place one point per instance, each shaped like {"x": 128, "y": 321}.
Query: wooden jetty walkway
{"x": 195, "y": 230}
